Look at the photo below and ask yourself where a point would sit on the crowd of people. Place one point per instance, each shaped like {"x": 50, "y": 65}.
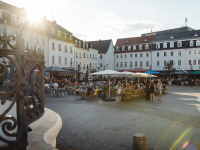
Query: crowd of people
{"x": 101, "y": 85}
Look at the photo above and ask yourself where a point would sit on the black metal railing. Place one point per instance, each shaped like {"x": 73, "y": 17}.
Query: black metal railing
{"x": 21, "y": 90}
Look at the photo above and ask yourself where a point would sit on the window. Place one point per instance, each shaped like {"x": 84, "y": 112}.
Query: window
{"x": 179, "y": 44}
{"x": 130, "y": 64}
{"x": 86, "y": 45}
{"x": 198, "y": 43}
{"x": 195, "y": 52}
{"x": 134, "y": 47}
{"x": 83, "y": 55}
{"x": 125, "y": 56}
{"x": 140, "y": 47}
{"x": 76, "y": 54}
{"x": 52, "y": 31}
{"x": 93, "y": 56}
{"x": 59, "y": 47}
{"x": 83, "y": 45}
{"x": 53, "y": 59}
{"x": 179, "y": 53}
{"x": 123, "y": 48}
{"x": 101, "y": 65}
{"x": 179, "y": 62}
{"x": 135, "y": 55}
{"x": 79, "y": 43}
{"x": 171, "y": 53}
{"x": 194, "y": 62}
{"x": 87, "y": 55}
{"x": 135, "y": 63}
{"x": 79, "y": 55}
{"x": 13, "y": 17}
{"x": 147, "y": 54}
{"x": 165, "y": 62}
{"x": 157, "y": 46}
{"x": 53, "y": 46}
{"x": 140, "y": 54}
{"x": 90, "y": 56}
{"x": 76, "y": 42}
{"x": 158, "y": 63}
{"x": 198, "y": 61}
{"x": 116, "y": 56}
{"x": 191, "y": 43}
{"x": 121, "y": 56}
{"x": 70, "y": 37}
{"x": 58, "y": 33}
{"x": 65, "y": 35}
{"x": 65, "y": 48}
{"x": 147, "y": 63}
{"x": 100, "y": 56}
{"x": 65, "y": 60}
{"x": 125, "y": 64}
{"x": 172, "y": 37}
{"x": 190, "y": 62}
{"x": 117, "y": 49}
{"x": 165, "y": 53}
{"x": 140, "y": 63}
{"x": 158, "y": 54}
{"x": 165, "y": 45}
{"x": 189, "y": 52}
{"x": 146, "y": 46}
{"x": 129, "y": 48}
{"x": 120, "y": 64}
{"x": 21, "y": 20}
{"x": 71, "y": 50}
{"x": 131, "y": 56}
{"x": 117, "y": 65}
{"x": 171, "y": 44}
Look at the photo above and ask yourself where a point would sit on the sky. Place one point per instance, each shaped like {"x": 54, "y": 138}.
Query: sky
{"x": 93, "y": 20}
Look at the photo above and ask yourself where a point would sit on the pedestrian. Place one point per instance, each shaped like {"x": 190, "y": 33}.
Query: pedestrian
{"x": 147, "y": 91}
{"x": 159, "y": 87}
{"x": 152, "y": 90}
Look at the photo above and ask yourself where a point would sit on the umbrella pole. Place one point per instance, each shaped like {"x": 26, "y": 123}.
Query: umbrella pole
{"x": 109, "y": 88}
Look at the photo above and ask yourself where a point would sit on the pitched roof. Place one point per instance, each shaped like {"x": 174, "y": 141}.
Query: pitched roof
{"x": 135, "y": 40}
{"x": 173, "y": 36}
{"x": 169, "y": 31}
{"x": 102, "y": 45}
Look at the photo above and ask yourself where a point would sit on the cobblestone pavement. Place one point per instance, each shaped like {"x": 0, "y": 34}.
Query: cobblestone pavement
{"x": 103, "y": 125}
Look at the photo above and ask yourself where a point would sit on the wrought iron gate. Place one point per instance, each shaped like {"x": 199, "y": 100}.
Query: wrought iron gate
{"x": 21, "y": 89}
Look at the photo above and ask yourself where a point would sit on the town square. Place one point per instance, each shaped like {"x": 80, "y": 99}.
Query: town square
{"x": 99, "y": 75}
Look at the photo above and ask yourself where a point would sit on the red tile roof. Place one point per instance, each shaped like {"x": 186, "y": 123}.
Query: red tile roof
{"x": 135, "y": 40}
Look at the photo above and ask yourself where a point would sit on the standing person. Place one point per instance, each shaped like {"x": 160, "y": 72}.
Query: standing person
{"x": 152, "y": 90}
{"x": 147, "y": 91}
{"x": 159, "y": 86}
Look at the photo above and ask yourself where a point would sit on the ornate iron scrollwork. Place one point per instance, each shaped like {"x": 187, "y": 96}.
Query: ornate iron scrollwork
{"x": 21, "y": 89}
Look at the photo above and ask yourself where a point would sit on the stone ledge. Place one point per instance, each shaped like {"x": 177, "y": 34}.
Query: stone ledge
{"x": 44, "y": 131}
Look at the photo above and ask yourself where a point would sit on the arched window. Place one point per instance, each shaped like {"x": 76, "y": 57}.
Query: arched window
{"x": 117, "y": 49}
{"x": 179, "y": 44}
{"x": 134, "y": 47}
{"x": 140, "y": 47}
{"x": 157, "y": 45}
{"x": 191, "y": 43}
{"x": 171, "y": 44}
{"x": 129, "y": 48}
{"x": 165, "y": 45}
{"x": 123, "y": 48}
{"x": 146, "y": 46}
{"x": 198, "y": 43}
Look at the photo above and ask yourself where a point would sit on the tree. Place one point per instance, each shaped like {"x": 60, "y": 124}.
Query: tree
{"x": 170, "y": 67}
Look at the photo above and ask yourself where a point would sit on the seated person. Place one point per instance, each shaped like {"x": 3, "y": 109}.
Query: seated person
{"x": 55, "y": 85}
{"x": 88, "y": 91}
{"x": 96, "y": 90}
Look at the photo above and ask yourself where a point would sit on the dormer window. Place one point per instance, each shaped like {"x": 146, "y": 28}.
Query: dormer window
{"x": 191, "y": 43}
{"x": 165, "y": 45}
{"x": 172, "y": 45}
{"x": 70, "y": 37}
{"x": 196, "y": 35}
{"x": 86, "y": 45}
{"x": 127, "y": 41}
{"x": 13, "y": 17}
{"x": 58, "y": 33}
{"x": 146, "y": 46}
{"x": 172, "y": 37}
{"x": 198, "y": 43}
{"x": 179, "y": 44}
{"x": 79, "y": 43}
{"x": 123, "y": 48}
{"x": 140, "y": 47}
{"x": 134, "y": 47}
{"x": 157, "y": 45}
{"x": 145, "y": 40}
{"x": 117, "y": 49}
{"x": 129, "y": 48}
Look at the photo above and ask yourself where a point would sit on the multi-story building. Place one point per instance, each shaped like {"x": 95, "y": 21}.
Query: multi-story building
{"x": 181, "y": 47}
{"x": 133, "y": 54}
{"x": 105, "y": 53}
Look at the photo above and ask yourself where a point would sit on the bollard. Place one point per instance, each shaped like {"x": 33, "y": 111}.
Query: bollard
{"x": 139, "y": 142}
